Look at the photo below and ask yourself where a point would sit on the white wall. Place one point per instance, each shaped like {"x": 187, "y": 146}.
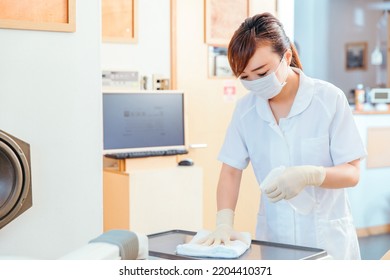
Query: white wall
{"x": 323, "y": 27}
{"x": 286, "y": 14}
{"x": 356, "y": 24}
{"x": 151, "y": 54}
{"x": 50, "y": 97}
{"x": 311, "y": 35}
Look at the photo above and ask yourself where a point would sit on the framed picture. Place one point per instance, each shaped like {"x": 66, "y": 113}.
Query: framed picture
{"x": 222, "y": 18}
{"x": 219, "y": 66}
{"x": 356, "y": 56}
{"x": 119, "y": 21}
{"x": 48, "y": 15}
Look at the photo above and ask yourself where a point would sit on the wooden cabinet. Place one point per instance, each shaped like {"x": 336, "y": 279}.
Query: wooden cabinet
{"x": 150, "y": 200}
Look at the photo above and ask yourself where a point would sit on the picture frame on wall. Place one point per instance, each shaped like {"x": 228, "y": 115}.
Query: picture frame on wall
{"x": 119, "y": 21}
{"x": 218, "y": 63}
{"x": 222, "y": 18}
{"x": 356, "y": 56}
{"x": 53, "y": 15}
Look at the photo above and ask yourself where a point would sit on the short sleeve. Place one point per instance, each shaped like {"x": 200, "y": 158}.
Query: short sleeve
{"x": 234, "y": 151}
{"x": 346, "y": 143}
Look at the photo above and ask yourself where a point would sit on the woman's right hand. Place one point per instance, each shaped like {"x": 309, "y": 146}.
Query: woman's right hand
{"x": 224, "y": 232}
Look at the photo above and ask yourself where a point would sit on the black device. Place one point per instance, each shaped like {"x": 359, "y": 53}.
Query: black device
{"x": 186, "y": 162}
{"x": 143, "y": 123}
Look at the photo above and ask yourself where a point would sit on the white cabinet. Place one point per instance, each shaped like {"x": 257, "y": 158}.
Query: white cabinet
{"x": 150, "y": 200}
{"x": 370, "y": 198}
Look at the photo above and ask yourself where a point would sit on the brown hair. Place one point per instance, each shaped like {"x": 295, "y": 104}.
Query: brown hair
{"x": 261, "y": 29}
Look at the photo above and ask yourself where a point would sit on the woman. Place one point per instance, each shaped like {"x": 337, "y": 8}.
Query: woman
{"x": 288, "y": 119}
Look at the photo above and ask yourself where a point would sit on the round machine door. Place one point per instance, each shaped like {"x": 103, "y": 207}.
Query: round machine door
{"x": 14, "y": 178}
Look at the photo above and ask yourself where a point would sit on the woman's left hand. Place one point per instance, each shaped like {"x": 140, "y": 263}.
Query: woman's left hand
{"x": 292, "y": 180}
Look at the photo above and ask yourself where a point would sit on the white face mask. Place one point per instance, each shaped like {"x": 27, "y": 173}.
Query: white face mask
{"x": 266, "y": 87}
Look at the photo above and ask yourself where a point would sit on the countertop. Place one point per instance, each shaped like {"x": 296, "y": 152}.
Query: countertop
{"x": 372, "y": 109}
{"x": 371, "y": 112}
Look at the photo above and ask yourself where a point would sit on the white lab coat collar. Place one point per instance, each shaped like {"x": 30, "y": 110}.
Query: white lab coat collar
{"x": 301, "y": 101}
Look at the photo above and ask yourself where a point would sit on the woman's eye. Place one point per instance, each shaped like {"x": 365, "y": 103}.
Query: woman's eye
{"x": 262, "y": 74}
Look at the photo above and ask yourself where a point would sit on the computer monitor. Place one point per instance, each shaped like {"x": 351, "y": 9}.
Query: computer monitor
{"x": 143, "y": 121}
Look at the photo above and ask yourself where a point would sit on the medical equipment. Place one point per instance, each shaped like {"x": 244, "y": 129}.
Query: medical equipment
{"x": 379, "y": 95}
{"x": 15, "y": 178}
{"x": 163, "y": 246}
{"x": 113, "y": 245}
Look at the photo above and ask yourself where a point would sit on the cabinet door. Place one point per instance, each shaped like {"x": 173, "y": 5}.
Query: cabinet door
{"x": 115, "y": 200}
{"x": 166, "y": 199}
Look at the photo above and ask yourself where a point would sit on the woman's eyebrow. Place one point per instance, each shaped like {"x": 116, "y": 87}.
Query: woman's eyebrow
{"x": 258, "y": 68}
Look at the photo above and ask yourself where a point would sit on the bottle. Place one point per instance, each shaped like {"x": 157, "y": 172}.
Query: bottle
{"x": 359, "y": 97}
{"x": 303, "y": 203}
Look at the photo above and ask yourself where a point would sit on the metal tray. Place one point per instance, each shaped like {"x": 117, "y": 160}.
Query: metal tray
{"x": 163, "y": 246}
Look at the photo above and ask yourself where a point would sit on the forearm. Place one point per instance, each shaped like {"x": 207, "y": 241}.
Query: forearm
{"x": 341, "y": 176}
{"x": 227, "y": 195}
{"x": 286, "y": 183}
{"x": 228, "y": 187}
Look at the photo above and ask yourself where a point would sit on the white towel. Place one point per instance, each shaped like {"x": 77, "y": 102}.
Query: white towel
{"x": 232, "y": 251}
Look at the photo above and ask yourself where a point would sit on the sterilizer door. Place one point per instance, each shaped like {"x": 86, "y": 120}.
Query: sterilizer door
{"x": 15, "y": 178}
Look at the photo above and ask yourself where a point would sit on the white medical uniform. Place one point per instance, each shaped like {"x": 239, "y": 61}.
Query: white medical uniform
{"x": 319, "y": 130}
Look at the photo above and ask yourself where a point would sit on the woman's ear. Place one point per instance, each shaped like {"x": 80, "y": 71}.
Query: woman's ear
{"x": 288, "y": 56}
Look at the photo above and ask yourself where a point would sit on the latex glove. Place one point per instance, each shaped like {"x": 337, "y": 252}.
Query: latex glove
{"x": 224, "y": 231}
{"x": 288, "y": 182}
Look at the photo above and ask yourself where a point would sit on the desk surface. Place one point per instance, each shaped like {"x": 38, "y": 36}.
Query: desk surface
{"x": 163, "y": 245}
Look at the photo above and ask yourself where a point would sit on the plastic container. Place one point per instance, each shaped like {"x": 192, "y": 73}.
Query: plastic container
{"x": 303, "y": 203}
{"x": 360, "y": 96}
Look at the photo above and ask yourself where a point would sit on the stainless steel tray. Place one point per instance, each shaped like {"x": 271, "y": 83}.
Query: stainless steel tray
{"x": 163, "y": 246}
